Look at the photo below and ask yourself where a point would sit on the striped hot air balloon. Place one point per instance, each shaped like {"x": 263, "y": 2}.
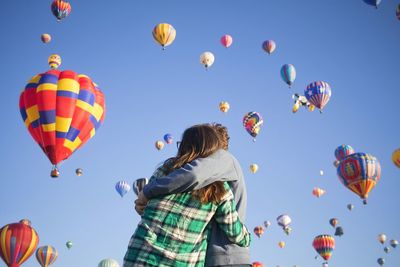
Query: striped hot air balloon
{"x": 269, "y": 46}
{"x": 252, "y": 123}
{"x": 318, "y": 93}
{"x": 288, "y": 74}
{"x": 164, "y": 34}
{"x": 324, "y": 245}
{"x": 46, "y": 255}
{"x": 259, "y": 231}
{"x": 122, "y": 187}
{"x": 343, "y": 151}
{"x": 226, "y": 40}
{"x": 60, "y": 9}
{"x": 108, "y": 263}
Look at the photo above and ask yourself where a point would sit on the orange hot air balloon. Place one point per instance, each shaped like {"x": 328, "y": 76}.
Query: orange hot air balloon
{"x": 281, "y": 244}
{"x": 257, "y": 264}
{"x": 259, "y": 230}
{"x": 318, "y": 192}
{"x": 224, "y": 106}
{"x": 18, "y": 242}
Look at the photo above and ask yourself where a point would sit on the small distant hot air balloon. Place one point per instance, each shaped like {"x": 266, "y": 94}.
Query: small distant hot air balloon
{"x": 381, "y": 261}
{"x": 321, "y": 172}
{"x": 267, "y": 224}
{"x": 207, "y": 59}
{"x": 257, "y": 264}
{"x": 318, "y": 93}
{"x": 394, "y": 243}
{"x": 324, "y": 245}
{"x": 108, "y": 263}
{"x": 253, "y": 168}
{"x": 122, "y": 187}
{"x": 386, "y": 249}
{"x": 226, "y": 40}
{"x": 382, "y": 238}
{"x": 374, "y": 3}
{"x": 46, "y": 255}
{"x": 269, "y": 46}
{"x": 339, "y": 231}
{"x": 318, "y": 192}
{"x": 284, "y": 221}
{"x": 79, "y": 172}
{"x": 288, "y": 74}
{"x": 26, "y": 221}
{"x": 159, "y": 145}
{"x": 281, "y": 244}
{"x": 18, "y": 242}
{"x": 164, "y": 34}
{"x": 252, "y": 122}
{"x": 139, "y": 184}
{"x": 224, "y": 106}
{"x": 259, "y": 231}
{"x": 46, "y": 38}
{"x": 54, "y": 61}
{"x": 168, "y": 138}
{"x": 69, "y": 244}
{"x": 336, "y": 163}
{"x": 398, "y": 12}
{"x": 396, "y": 157}
{"x": 333, "y": 222}
{"x": 60, "y": 9}
{"x": 359, "y": 172}
{"x": 343, "y": 151}
{"x": 350, "y": 207}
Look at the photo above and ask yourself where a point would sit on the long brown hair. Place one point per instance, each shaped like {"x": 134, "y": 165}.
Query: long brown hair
{"x": 200, "y": 141}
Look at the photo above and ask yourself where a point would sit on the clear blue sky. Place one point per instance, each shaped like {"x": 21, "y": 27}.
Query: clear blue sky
{"x": 150, "y": 92}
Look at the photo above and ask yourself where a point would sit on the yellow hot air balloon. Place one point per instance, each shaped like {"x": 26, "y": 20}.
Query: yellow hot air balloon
{"x": 281, "y": 244}
{"x": 253, "y": 168}
{"x": 54, "y": 61}
{"x": 396, "y": 157}
{"x": 311, "y": 107}
{"x": 296, "y": 107}
{"x": 224, "y": 106}
{"x": 159, "y": 145}
{"x": 164, "y": 34}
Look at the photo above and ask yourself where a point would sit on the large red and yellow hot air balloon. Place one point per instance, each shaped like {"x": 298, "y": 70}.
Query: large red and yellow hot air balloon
{"x": 324, "y": 245}
{"x": 62, "y": 111}
{"x": 18, "y": 241}
{"x": 359, "y": 172}
{"x": 46, "y": 255}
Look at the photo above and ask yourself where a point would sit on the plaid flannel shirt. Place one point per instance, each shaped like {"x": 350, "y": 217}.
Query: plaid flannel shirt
{"x": 175, "y": 228}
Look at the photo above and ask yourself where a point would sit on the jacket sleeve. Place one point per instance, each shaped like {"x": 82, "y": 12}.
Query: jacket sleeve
{"x": 194, "y": 175}
{"x": 228, "y": 221}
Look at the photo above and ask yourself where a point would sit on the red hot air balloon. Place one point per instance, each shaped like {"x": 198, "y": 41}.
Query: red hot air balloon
{"x": 18, "y": 243}
{"x": 62, "y": 111}
{"x": 226, "y": 40}
{"x": 257, "y": 264}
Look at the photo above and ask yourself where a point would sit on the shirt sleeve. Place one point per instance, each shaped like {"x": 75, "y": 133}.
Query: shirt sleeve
{"x": 194, "y": 175}
{"x": 228, "y": 221}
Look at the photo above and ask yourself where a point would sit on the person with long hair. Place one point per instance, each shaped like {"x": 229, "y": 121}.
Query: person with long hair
{"x": 174, "y": 229}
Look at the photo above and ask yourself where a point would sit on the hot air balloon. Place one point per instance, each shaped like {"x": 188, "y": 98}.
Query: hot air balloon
{"x": 259, "y": 231}
{"x": 394, "y": 243}
{"x": 46, "y": 38}
{"x": 284, "y": 221}
{"x": 318, "y": 94}
{"x": 62, "y": 111}
{"x": 269, "y": 46}
{"x": 386, "y": 249}
{"x": 321, "y": 172}
{"x": 69, "y": 244}
{"x": 18, "y": 242}
{"x": 396, "y": 157}
{"x": 159, "y": 145}
{"x": 253, "y": 168}
{"x": 257, "y": 264}
{"x": 122, "y": 188}
{"x": 324, "y": 245}
{"x": 54, "y": 61}
{"x": 60, "y": 9}
{"x": 226, "y": 40}
{"x": 398, "y": 12}
{"x": 79, "y": 172}
{"x": 139, "y": 184}
{"x": 325, "y": 264}
{"x": 382, "y": 238}
{"x": 333, "y": 222}
{"x": 26, "y": 221}
{"x": 168, "y": 138}
{"x": 46, "y": 255}
{"x": 281, "y": 244}
{"x": 108, "y": 263}
{"x": 164, "y": 34}
{"x": 288, "y": 74}
{"x": 224, "y": 106}
{"x": 207, "y": 59}
{"x": 343, "y": 151}
{"x": 359, "y": 172}
{"x": 374, "y": 3}
{"x": 350, "y": 207}
{"x": 339, "y": 231}
{"x": 381, "y": 261}
{"x": 252, "y": 122}
{"x": 336, "y": 163}
{"x": 267, "y": 224}
{"x": 318, "y": 192}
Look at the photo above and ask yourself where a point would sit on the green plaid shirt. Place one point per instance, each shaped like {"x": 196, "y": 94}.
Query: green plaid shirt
{"x": 174, "y": 230}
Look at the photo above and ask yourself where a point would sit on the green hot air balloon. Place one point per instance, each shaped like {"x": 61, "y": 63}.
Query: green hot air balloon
{"x": 69, "y": 244}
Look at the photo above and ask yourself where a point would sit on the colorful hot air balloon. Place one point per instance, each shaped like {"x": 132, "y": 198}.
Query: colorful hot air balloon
{"x": 46, "y": 255}
{"x": 159, "y": 145}
{"x": 396, "y": 157}
{"x": 224, "y": 106}
{"x": 281, "y": 244}
{"x": 139, "y": 184}
{"x": 382, "y": 238}
{"x": 69, "y": 244}
{"x": 318, "y": 192}
{"x": 168, "y": 138}
{"x": 350, "y": 207}
{"x": 343, "y": 151}
{"x": 324, "y": 245}
{"x": 398, "y": 11}
{"x": 164, "y": 34}
{"x": 381, "y": 261}
{"x": 79, "y": 172}
{"x": 359, "y": 172}
{"x": 108, "y": 263}
{"x": 62, "y": 111}
{"x": 259, "y": 231}
{"x": 226, "y": 40}
{"x": 60, "y": 9}
{"x": 339, "y": 231}
{"x": 269, "y": 46}
{"x": 18, "y": 241}
{"x": 284, "y": 221}
{"x": 46, "y": 38}
{"x": 394, "y": 243}
{"x": 333, "y": 222}
{"x": 288, "y": 74}
{"x": 26, "y": 221}
{"x": 252, "y": 122}
{"x": 318, "y": 93}
{"x": 267, "y": 224}
{"x": 253, "y": 168}
{"x": 257, "y": 264}
{"x": 54, "y": 61}
{"x": 374, "y": 3}
{"x": 207, "y": 59}
{"x": 122, "y": 188}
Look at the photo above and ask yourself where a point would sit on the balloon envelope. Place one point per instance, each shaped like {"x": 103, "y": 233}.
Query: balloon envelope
{"x": 333, "y": 222}
{"x": 284, "y": 220}
{"x": 159, "y": 145}
{"x": 382, "y": 238}
{"x": 54, "y": 61}
{"x": 207, "y": 59}
{"x": 318, "y": 192}
{"x": 394, "y": 243}
{"x": 324, "y": 245}
{"x": 343, "y": 151}
{"x": 374, "y": 3}
{"x": 252, "y": 122}
{"x": 257, "y": 264}
{"x": 288, "y": 74}
{"x": 226, "y": 40}
{"x": 396, "y": 157}
{"x": 108, "y": 263}
{"x": 350, "y": 207}
{"x": 168, "y": 138}
{"x": 139, "y": 184}
{"x": 339, "y": 231}
{"x": 318, "y": 93}
{"x": 46, "y": 38}
{"x": 253, "y": 168}
{"x": 281, "y": 244}
{"x": 122, "y": 188}
{"x": 46, "y": 255}
{"x": 381, "y": 261}
{"x": 79, "y": 172}
{"x": 259, "y": 230}
{"x": 60, "y": 9}
{"x": 224, "y": 106}
{"x": 164, "y": 34}
{"x": 69, "y": 244}
{"x": 269, "y": 46}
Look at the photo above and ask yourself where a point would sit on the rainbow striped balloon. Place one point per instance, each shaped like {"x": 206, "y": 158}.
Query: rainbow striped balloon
{"x": 60, "y": 9}
{"x": 343, "y": 151}
{"x": 46, "y": 255}
{"x": 324, "y": 245}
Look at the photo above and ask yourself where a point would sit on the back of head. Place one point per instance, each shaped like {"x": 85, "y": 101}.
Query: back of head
{"x": 223, "y": 135}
